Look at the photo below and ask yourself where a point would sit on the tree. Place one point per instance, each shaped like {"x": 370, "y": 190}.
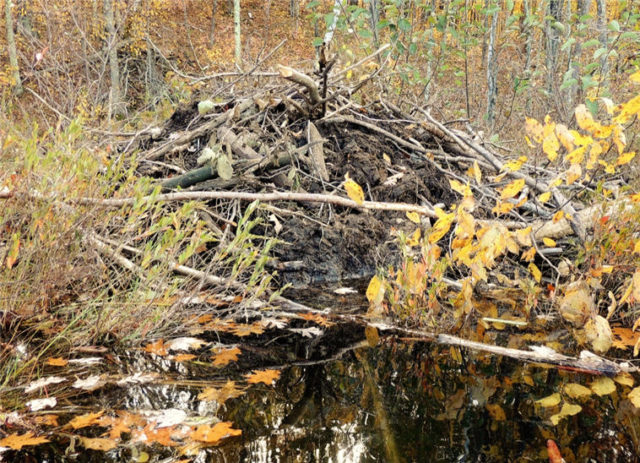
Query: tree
{"x": 238, "y": 37}
{"x": 115, "y": 103}
{"x": 11, "y": 45}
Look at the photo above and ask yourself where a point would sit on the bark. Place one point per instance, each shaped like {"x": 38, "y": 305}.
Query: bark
{"x": 331, "y": 28}
{"x": 115, "y": 97}
{"x": 212, "y": 29}
{"x": 492, "y": 71}
{"x": 11, "y": 45}
{"x": 236, "y": 33}
{"x": 602, "y": 30}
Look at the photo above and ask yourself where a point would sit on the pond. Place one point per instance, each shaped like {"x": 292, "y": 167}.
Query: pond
{"x": 344, "y": 396}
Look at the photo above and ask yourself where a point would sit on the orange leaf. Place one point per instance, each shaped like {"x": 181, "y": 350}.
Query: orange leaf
{"x": 263, "y": 376}
{"x": 157, "y": 348}
{"x": 183, "y": 357}
{"x": 57, "y": 362}
{"x": 103, "y": 445}
{"x": 246, "y": 330}
{"x": 213, "y": 435}
{"x": 150, "y": 435}
{"x": 82, "y": 421}
{"x": 228, "y": 391}
{"x": 225, "y": 356}
{"x": 16, "y": 442}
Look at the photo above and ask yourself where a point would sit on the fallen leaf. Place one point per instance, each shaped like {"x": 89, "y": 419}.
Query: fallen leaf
{"x": 267, "y": 377}
{"x": 223, "y": 357}
{"x": 16, "y": 442}
{"x": 46, "y": 420}
{"x": 549, "y": 401}
{"x": 634, "y": 397}
{"x": 101, "y": 444}
{"x": 624, "y": 378}
{"x": 228, "y": 391}
{"x": 603, "y": 386}
{"x": 567, "y": 410}
{"x": 83, "y": 421}
{"x": 354, "y": 191}
{"x": 599, "y": 334}
{"x": 577, "y": 304}
{"x": 151, "y": 435}
{"x": 182, "y": 357}
{"x": 575, "y": 390}
{"x": 213, "y": 435}
{"x": 246, "y": 330}
{"x": 414, "y": 217}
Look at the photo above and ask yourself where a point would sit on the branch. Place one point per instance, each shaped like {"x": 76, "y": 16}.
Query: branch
{"x": 302, "y": 79}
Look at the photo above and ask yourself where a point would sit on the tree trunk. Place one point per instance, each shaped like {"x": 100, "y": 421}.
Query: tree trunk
{"x": 492, "y": 71}
{"x": 115, "y": 98}
{"x": 374, "y": 10}
{"x": 602, "y": 29}
{"x": 238, "y": 37}
{"x": 212, "y": 29}
{"x": 331, "y": 28}
{"x": 528, "y": 14}
{"x": 13, "y": 53}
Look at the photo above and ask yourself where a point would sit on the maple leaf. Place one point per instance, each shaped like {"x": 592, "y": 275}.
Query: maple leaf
{"x": 157, "y": 348}
{"x": 223, "y": 357}
{"x": 263, "y": 376}
{"x": 246, "y": 330}
{"x": 213, "y": 435}
{"x": 82, "y": 421}
{"x": 16, "y": 442}
{"x": 228, "y": 391}
{"x": 46, "y": 420}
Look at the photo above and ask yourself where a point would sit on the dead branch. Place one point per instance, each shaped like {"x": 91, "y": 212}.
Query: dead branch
{"x": 301, "y": 79}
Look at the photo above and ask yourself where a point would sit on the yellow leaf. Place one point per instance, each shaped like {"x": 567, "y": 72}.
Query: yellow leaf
{"x": 512, "y": 189}
{"x": 636, "y": 247}
{"x": 441, "y": 227}
{"x": 625, "y": 158}
{"x": 567, "y": 410}
{"x": 574, "y": 173}
{"x": 565, "y": 137}
{"x": 528, "y": 255}
{"x": 515, "y": 164}
{"x": 477, "y": 173}
{"x": 635, "y": 77}
{"x": 549, "y": 242}
{"x": 414, "y": 240}
{"x": 534, "y": 129}
{"x": 577, "y": 155}
{"x": 576, "y": 391}
{"x": 544, "y": 197}
{"x": 502, "y": 208}
{"x": 624, "y": 378}
{"x": 414, "y": 217}
{"x": 634, "y": 398}
{"x": 535, "y": 271}
{"x": 496, "y": 412}
{"x": 558, "y": 216}
{"x": 603, "y": 386}
{"x": 375, "y": 291}
{"x": 549, "y": 401}
{"x": 354, "y": 191}
{"x": 550, "y": 146}
{"x": 458, "y": 186}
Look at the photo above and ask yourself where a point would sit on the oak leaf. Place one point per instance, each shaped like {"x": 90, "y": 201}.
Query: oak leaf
{"x": 228, "y": 391}
{"x": 101, "y": 444}
{"x": 267, "y": 377}
{"x": 223, "y": 357}
{"x": 16, "y": 442}
{"x": 213, "y": 435}
{"x": 88, "y": 419}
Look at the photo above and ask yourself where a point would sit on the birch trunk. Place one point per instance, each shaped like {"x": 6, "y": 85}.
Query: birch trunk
{"x": 13, "y": 53}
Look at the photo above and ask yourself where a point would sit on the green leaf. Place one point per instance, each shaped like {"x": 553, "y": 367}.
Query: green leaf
{"x": 404, "y": 25}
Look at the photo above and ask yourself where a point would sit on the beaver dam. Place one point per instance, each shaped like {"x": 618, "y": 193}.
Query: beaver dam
{"x": 380, "y": 285}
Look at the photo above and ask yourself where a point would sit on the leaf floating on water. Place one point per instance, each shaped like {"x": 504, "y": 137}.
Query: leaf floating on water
{"x": 43, "y": 382}
{"x": 16, "y": 442}
{"x": 354, "y": 191}
{"x": 243, "y": 330}
{"x": 603, "y": 386}
{"x": 40, "y": 404}
{"x": 267, "y": 377}
{"x": 228, "y": 391}
{"x": 576, "y": 391}
{"x": 138, "y": 378}
{"x": 213, "y": 435}
{"x": 549, "y": 401}
{"x": 625, "y": 379}
{"x": 223, "y": 357}
{"x": 182, "y": 357}
{"x": 101, "y": 444}
{"x": 83, "y": 421}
